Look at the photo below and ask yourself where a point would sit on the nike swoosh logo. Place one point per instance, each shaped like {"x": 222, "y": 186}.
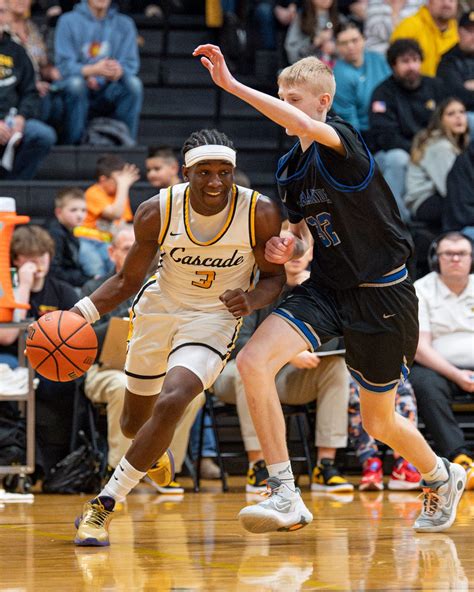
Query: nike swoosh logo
{"x": 176, "y": 233}
{"x": 387, "y": 316}
{"x": 400, "y": 476}
{"x": 115, "y": 478}
{"x": 283, "y": 505}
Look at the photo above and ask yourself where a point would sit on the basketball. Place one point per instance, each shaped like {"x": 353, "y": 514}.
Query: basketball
{"x": 61, "y": 346}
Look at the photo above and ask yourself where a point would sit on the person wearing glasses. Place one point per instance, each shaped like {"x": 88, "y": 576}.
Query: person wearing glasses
{"x": 444, "y": 360}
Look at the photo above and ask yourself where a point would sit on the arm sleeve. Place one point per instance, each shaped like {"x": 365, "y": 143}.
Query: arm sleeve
{"x": 127, "y": 53}
{"x": 95, "y": 201}
{"x": 423, "y": 310}
{"x": 29, "y": 102}
{"x": 454, "y": 80}
{"x": 384, "y": 123}
{"x": 439, "y": 161}
{"x": 297, "y": 43}
{"x": 67, "y": 56}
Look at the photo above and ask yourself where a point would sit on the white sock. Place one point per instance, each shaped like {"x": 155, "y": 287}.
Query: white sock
{"x": 123, "y": 480}
{"x": 283, "y": 472}
{"x": 438, "y": 473}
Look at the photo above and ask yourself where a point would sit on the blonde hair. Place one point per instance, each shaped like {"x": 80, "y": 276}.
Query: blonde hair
{"x": 309, "y": 71}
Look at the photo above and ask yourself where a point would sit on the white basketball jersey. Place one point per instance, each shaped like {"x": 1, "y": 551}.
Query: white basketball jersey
{"x": 193, "y": 272}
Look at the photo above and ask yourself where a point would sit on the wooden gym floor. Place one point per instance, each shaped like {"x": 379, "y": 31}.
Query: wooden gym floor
{"x": 361, "y": 542}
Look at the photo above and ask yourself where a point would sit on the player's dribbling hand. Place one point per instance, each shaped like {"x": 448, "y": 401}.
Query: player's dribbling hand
{"x": 237, "y": 302}
{"x": 279, "y": 249}
{"x": 213, "y": 60}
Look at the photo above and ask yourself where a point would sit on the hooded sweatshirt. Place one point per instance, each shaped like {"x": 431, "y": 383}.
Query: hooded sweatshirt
{"x": 82, "y": 39}
{"x": 17, "y": 80}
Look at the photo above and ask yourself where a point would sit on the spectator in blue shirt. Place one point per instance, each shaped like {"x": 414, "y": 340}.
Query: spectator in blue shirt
{"x": 357, "y": 73}
{"x": 97, "y": 55}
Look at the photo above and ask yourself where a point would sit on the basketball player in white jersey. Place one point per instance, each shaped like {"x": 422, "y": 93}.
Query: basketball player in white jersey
{"x": 184, "y": 319}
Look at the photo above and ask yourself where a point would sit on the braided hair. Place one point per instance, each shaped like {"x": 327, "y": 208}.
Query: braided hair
{"x": 205, "y": 137}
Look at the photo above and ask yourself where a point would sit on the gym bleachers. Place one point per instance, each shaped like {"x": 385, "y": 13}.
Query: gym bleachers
{"x": 179, "y": 98}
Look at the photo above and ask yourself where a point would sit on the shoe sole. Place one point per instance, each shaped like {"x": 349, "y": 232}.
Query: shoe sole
{"x": 348, "y": 487}
{"x": 395, "y": 485}
{"x": 91, "y": 542}
{"x": 163, "y": 490}
{"x": 371, "y": 487}
{"x": 450, "y": 522}
{"x": 269, "y": 524}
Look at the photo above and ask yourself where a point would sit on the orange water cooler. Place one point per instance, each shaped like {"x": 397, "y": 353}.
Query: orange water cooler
{"x": 8, "y": 221}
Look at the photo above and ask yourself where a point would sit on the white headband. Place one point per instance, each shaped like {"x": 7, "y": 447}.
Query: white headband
{"x": 210, "y": 152}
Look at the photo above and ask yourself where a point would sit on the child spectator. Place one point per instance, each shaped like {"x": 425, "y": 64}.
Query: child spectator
{"x": 107, "y": 203}
{"x": 70, "y": 212}
{"x": 31, "y": 251}
{"x": 312, "y": 31}
{"x": 162, "y": 167}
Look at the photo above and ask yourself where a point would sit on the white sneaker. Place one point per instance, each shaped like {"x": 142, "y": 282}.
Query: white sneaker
{"x": 440, "y": 500}
{"x": 283, "y": 510}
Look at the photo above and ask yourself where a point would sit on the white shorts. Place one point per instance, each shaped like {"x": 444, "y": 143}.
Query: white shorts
{"x": 165, "y": 335}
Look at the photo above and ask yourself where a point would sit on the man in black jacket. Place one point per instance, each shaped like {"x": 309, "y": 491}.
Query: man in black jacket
{"x": 456, "y": 68}
{"x": 400, "y": 107}
{"x": 19, "y": 103}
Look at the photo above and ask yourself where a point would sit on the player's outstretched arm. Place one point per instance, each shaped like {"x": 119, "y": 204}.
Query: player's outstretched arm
{"x": 128, "y": 281}
{"x": 284, "y": 114}
{"x": 271, "y": 275}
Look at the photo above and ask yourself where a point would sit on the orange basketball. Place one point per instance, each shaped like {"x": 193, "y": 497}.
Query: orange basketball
{"x": 61, "y": 345}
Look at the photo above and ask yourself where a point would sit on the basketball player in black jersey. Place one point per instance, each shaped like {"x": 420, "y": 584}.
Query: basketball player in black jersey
{"x": 358, "y": 289}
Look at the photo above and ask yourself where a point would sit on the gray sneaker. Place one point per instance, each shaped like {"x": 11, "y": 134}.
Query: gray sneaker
{"x": 283, "y": 510}
{"x": 440, "y": 500}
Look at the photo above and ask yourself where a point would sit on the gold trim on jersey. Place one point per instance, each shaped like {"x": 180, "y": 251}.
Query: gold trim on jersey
{"x": 253, "y": 207}
{"x": 165, "y": 224}
{"x": 221, "y": 232}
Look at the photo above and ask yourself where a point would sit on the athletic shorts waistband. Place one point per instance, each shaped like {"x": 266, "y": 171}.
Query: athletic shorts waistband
{"x": 396, "y": 276}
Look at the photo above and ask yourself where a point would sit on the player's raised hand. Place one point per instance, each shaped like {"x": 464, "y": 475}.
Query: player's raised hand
{"x": 237, "y": 302}
{"x": 279, "y": 249}
{"x": 213, "y": 60}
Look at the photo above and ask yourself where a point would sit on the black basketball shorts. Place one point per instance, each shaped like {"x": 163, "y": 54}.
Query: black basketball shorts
{"x": 379, "y": 326}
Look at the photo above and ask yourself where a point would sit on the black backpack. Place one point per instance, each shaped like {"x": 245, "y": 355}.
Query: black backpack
{"x": 79, "y": 472}
{"x": 105, "y": 131}
{"x": 12, "y": 440}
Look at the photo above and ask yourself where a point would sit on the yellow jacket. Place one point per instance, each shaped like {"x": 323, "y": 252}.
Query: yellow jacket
{"x": 433, "y": 42}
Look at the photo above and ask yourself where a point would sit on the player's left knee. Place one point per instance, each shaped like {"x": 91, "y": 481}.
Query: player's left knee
{"x": 379, "y": 427}
{"x": 171, "y": 406}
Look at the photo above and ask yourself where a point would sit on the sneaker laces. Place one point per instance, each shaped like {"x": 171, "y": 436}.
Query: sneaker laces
{"x": 97, "y": 515}
{"x": 431, "y": 501}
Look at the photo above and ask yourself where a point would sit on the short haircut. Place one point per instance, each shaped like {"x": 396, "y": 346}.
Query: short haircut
{"x": 311, "y": 71}
{"x": 454, "y": 236}
{"x": 346, "y": 26}
{"x": 206, "y": 137}
{"x": 164, "y": 152}
{"x": 31, "y": 241}
{"x": 108, "y": 164}
{"x": 402, "y": 47}
{"x": 117, "y": 231}
{"x": 67, "y": 194}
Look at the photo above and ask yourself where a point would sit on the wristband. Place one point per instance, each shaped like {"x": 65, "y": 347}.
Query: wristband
{"x": 88, "y": 310}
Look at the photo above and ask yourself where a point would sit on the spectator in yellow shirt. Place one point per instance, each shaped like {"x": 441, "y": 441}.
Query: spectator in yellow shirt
{"x": 435, "y": 28}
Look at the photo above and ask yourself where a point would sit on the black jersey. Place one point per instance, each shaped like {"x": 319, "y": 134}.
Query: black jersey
{"x": 348, "y": 207}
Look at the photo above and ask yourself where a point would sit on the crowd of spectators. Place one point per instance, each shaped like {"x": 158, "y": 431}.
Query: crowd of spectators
{"x": 404, "y": 71}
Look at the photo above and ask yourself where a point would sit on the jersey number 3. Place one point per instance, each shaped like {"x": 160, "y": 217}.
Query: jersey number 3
{"x": 206, "y": 280}
{"x": 323, "y": 223}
